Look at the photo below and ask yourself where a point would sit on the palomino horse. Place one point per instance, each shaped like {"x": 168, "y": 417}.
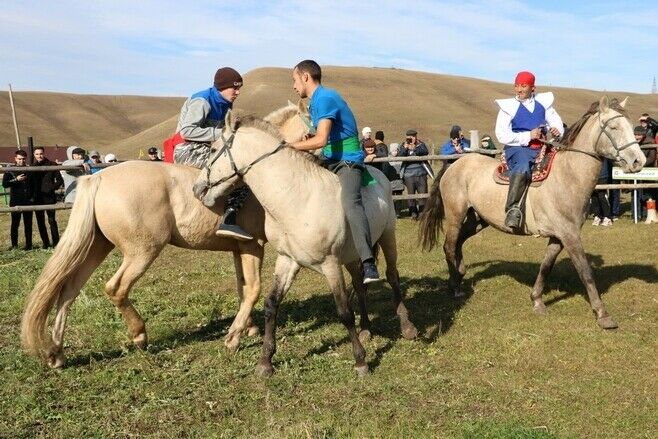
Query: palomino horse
{"x": 464, "y": 200}
{"x": 304, "y": 221}
{"x": 139, "y": 208}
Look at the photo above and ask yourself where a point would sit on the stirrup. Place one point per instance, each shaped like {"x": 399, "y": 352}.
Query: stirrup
{"x": 233, "y": 231}
{"x": 514, "y": 218}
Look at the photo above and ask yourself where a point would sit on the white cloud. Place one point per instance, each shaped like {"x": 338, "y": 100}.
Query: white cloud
{"x": 172, "y": 48}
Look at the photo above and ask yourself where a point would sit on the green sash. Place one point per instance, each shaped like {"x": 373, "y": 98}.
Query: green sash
{"x": 349, "y": 150}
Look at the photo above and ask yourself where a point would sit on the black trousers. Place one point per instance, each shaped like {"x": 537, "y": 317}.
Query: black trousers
{"x": 600, "y": 205}
{"x": 416, "y": 185}
{"x": 27, "y": 225}
{"x": 41, "y": 225}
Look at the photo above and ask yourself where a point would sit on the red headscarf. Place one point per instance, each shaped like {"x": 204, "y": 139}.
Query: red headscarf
{"x": 525, "y": 78}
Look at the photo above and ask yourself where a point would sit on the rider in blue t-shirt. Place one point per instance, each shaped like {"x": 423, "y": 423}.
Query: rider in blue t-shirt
{"x": 337, "y": 135}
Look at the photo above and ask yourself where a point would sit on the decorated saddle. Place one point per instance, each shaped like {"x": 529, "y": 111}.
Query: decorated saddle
{"x": 540, "y": 170}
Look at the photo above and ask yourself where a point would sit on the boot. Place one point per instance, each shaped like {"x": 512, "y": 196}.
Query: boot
{"x": 228, "y": 228}
{"x": 517, "y": 186}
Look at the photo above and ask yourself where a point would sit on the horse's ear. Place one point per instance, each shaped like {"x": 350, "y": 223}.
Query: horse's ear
{"x": 623, "y": 103}
{"x": 604, "y": 104}
{"x": 302, "y": 107}
{"x": 229, "y": 121}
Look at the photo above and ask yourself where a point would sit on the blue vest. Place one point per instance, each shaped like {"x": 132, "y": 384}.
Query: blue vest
{"x": 524, "y": 120}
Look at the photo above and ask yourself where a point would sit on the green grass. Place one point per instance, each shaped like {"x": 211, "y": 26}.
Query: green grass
{"x": 483, "y": 368}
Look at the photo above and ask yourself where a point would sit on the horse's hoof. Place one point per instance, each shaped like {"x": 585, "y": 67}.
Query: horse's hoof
{"x": 253, "y": 331}
{"x": 409, "y": 331}
{"x": 264, "y": 371}
{"x": 365, "y": 335}
{"x": 540, "y": 309}
{"x": 56, "y": 359}
{"x": 232, "y": 342}
{"x": 607, "y": 322}
{"x": 362, "y": 370}
{"x": 141, "y": 341}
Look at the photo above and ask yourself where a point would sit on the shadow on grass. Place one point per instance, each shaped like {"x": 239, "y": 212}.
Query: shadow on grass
{"x": 430, "y": 307}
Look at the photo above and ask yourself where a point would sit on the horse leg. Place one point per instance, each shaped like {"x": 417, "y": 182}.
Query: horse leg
{"x": 247, "y": 272}
{"x": 388, "y": 245}
{"x": 334, "y": 274}
{"x": 354, "y": 268}
{"x": 554, "y": 248}
{"x": 458, "y": 228}
{"x": 284, "y": 273}
{"x": 574, "y": 246}
{"x": 97, "y": 253}
{"x": 118, "y": 287}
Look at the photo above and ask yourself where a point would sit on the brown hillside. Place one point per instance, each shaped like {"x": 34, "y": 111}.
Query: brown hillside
{"x": 92, "y": 121}
{"x": 394, "y": 100}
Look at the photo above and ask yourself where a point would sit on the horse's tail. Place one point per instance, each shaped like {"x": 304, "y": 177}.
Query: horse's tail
{"x": 69, "y": 254}
{"x": 431, "y": 220}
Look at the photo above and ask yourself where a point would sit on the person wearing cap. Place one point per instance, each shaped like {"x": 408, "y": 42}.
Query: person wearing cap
{"x": 199, "y": 125}
{"x": 94, "y": 159}
{"x": 521, "y": 124}
{"x": 75, "y": 157}
{"x": 642, "y": 138}
{"x": 153, "y": 154}
{"x": 455, "y": 145}
{"x": 487, "y": 143}
{"x": 366, "y": 134}
{"x": 651, "y": 126}
{"x": 338, "y": 136}
{"x": 414, "y": 174}
{"x": 110, "y": 158}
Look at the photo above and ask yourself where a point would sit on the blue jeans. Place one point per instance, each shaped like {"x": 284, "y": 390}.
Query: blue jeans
{"x": 520, "y": 159}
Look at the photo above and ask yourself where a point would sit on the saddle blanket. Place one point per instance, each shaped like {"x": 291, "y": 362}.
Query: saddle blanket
{"x": 540, "y": 170}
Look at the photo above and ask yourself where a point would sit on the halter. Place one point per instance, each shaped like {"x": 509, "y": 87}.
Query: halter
{"x": 227, "y": 144}
{"x": 602, "y": 126}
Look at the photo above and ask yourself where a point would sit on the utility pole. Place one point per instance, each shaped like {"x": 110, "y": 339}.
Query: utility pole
{"x": 13, "y": 113}
{"x": 654, "y": 90}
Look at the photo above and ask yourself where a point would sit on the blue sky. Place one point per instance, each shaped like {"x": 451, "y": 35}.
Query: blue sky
{"x": 172, "y": 48}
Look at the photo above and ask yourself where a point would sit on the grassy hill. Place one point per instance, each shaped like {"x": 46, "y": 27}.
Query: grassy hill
{"x": 392, "y": 100}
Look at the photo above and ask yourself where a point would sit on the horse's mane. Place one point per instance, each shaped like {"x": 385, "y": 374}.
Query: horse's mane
{"x": 574, "y": 130}
{"x": 269, "y": 125}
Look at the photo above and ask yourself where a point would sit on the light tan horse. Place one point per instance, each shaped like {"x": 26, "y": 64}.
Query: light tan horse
{"x": 304, "y": 221}
{"x": 140, "y": 207}
{"x": 464, "y": 200}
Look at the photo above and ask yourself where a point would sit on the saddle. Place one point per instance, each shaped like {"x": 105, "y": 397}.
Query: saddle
{"x": 540, "y": 169}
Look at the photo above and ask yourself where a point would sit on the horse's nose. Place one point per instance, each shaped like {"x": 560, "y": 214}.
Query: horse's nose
{"x": 638, "y": 163}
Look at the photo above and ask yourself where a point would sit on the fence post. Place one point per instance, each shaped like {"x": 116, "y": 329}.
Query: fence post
{"x": 30, "y": 151}
{"x": 475, "y": 139}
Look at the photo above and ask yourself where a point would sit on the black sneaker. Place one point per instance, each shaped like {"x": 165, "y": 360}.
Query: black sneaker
{"x": 370, "y": 273}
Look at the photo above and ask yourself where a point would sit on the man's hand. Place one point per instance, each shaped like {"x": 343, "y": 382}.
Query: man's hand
{"x": 87, "y": 168}
{"x": 555, "y": 132}
{"x": 21, "y": 177}
{"x": 535, "y": 134}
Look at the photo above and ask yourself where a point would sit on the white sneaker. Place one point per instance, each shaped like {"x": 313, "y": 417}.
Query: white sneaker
{"x": 596, "y": 221}
{"x": 606, "y": 222}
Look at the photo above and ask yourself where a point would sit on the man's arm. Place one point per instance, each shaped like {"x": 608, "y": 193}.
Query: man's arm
{"x": 319, "y": 140}
{"x": 421, "y": 149}
{"x": 191, "y": 130}
{"x": 554, "y": 122}
{"x": 505, "y": 134}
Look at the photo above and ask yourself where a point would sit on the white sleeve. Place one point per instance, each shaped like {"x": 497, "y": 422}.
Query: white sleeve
{"x": 505, "y": 134}
{"x": 554, "y": 120}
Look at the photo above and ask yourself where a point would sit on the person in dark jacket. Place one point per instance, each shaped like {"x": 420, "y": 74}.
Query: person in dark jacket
{"x": 44, "y": 185}
{"x": 414, "y": 174}
{"x": 20, "y": 195}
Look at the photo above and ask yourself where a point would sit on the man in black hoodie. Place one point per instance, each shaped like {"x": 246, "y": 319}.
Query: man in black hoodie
{"x": 44, "y": 185}
{"x": 20, "y": 195}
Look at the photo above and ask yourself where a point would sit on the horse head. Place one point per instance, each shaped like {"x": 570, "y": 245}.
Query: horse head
{"x": 615, "y": 139}
{"x": 230, "y": 159}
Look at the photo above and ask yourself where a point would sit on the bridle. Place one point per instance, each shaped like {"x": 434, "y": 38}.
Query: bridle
{"x": 227, "y": 144}
{"x": 602, "y": 127}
